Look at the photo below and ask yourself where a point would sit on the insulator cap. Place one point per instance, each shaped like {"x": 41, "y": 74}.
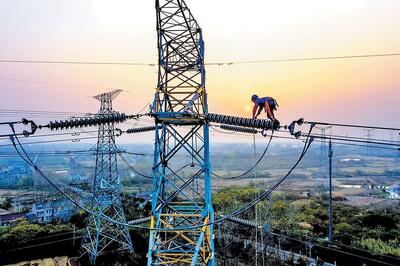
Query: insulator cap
{"x": 140, "y": 220}
{"x": 239, "y": 129}
{"x": 242, "y": 121}
{"x": 241, "y": 221}
{"x": 87, "y": 121}
{"x": 141, "y": 129}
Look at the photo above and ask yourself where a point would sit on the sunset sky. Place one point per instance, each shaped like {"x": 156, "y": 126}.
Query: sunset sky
{"x": 363, "y": 91}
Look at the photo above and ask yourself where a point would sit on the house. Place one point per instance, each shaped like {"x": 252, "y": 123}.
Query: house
{"x": 78, "y": 178}
{"x": 52, "y": 210}
{"x": 350, "y": 160}
{"x": 3, "y": 211}
{"x": 16, "y": 169}
{"x": 8, "y": 180}
{"x": 351, "y": 186}
{"x": 394, "y": 191}
{"x": 10, "y": 175}
{"x": 41, "y": 213}
{"x": 143, "y": 195}
{"x": 9, "y": 218}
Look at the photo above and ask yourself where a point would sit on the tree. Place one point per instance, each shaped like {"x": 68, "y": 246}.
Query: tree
{"x": 6, "y": 204}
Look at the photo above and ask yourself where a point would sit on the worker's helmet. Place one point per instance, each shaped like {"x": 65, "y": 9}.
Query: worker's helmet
{"x": 254, "y": 97}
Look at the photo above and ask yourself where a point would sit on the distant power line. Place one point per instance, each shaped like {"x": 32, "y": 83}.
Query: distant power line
{"x": 39, "y": 112}
{"x": 221, "y": 63}
{"x": 75, "y": 140}
{"x": 48, "y": 83}
{"x": 73, "y": 62}
{"x": 294, "y": 59}
{"x": 351, "y": 125}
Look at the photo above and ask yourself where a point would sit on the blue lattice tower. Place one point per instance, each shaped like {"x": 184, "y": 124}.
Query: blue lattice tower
{"x": 101, "y": 234}
{"x": 181, "y": 205}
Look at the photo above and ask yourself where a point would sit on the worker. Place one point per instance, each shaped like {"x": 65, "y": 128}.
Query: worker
{"x": 269, "y": 104}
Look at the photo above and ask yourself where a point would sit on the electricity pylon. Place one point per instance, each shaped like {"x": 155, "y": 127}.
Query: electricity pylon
{"x": 370, "y": 136}
{"x": 101, "y": 234}
{"x": 182, "y": 213}
{"x": 323, "y": 155}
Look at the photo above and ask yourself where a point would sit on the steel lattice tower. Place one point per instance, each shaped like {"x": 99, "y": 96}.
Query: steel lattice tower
{"x": 102, "y": 235}
{"x": 181, "y": 204}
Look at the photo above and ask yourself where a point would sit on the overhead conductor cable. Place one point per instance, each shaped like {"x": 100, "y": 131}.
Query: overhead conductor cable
{"x": 235, "y": 213}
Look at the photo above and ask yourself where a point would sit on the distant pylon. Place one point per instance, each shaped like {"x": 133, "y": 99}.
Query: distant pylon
{"x": 370, "y": 134}
{"x": 101, "y": 234}
{"x": 323, "y": 155}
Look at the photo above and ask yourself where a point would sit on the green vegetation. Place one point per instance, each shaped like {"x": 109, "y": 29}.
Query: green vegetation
{"x": 23, "y": 231}
{"x": 392, "y": 247}
{"x": 298, "y": 216}
{"x": 292, "y": 214}
{"x": 6, "y": 204}
{"x": 227, "y": 198}
{"x": 79, "y": 219}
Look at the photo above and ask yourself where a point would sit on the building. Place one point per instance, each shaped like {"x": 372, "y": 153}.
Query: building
{"x": 14, "y": 174}
{"x": 46, "y": 212}
{"x": 78, "y": 178}
{"x": 394, "y": 191}
{"x": 143, "y": 195}
{"x": 8, "y": 178}
{"x": 351, "y": 186}
{"x": 15, "y": 169}
{"x": 3, "y": 211}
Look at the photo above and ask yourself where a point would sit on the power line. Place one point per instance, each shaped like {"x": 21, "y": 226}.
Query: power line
{"x": 304, "y": 59}
{"x": 50, "y": 141}
{"x": 333, "y": 137}
{"x": 330, "y": 248}
{"x": 343, "y": 245}
{"x": 351, "y": 125}
{"x": 129, "y": 165}
{"x": 265, "y": 194}
{"x": 64, "y": 153}
{"x": 307, "y": 243}
{"x": 253, "y": 167}
{"x": 54, "y": 152}
{"x": 229, "y": 63}
{"x": 361, "y": 138}
{"x": 22, "y": 111}
{"x": 74, "y": 62}
{"x": 76, "y": 133}
{"x": 247, "y": 206}
{"x": 357, "y": 140}
{"x": 29, "y": 161}
{"x": 48, "y": 83}
{"x": 44, "y": 243}
{"x": 132, "y": 168}
{"x": 345, "y": 139}
{"x": 360, "y": 145}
